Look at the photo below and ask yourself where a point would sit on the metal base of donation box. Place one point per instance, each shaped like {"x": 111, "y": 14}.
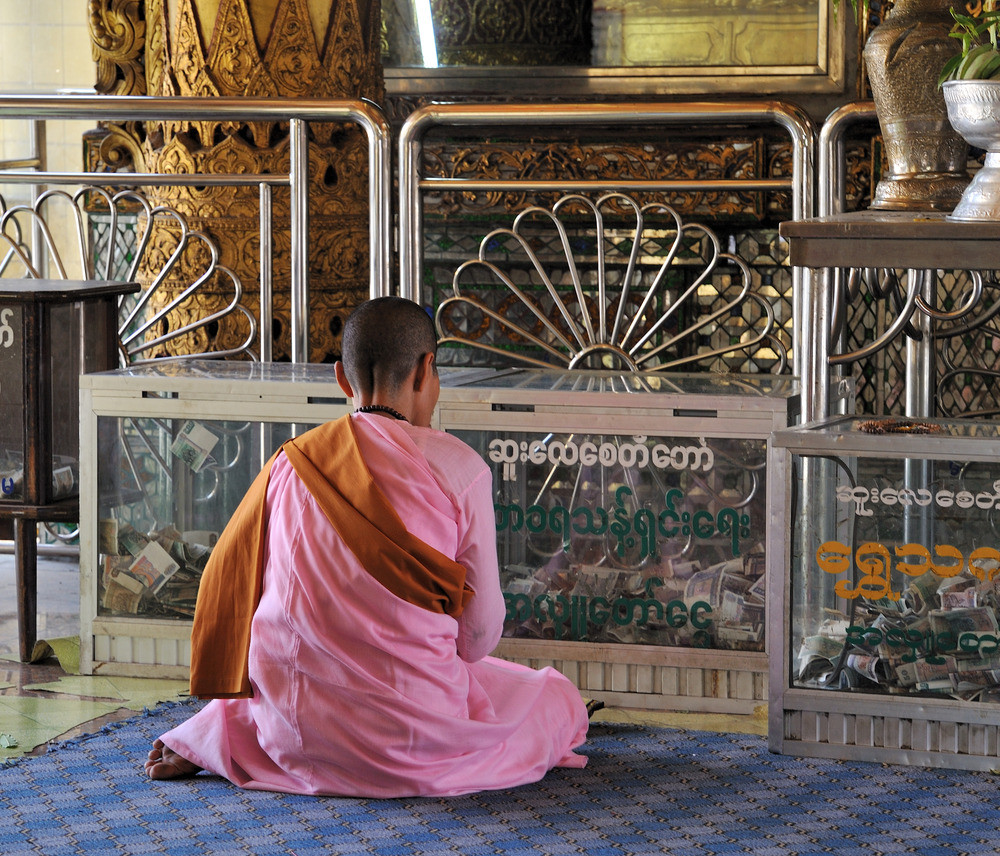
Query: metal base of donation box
{"x": 886, "y": 592}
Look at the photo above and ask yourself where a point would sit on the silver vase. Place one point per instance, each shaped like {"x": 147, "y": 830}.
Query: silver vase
{"x": 926, "y": 158}
{"x": 974, "y": 112}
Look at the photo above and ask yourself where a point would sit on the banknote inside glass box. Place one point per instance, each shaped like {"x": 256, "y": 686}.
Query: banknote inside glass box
{"x": 165, "y": 498}
{"x": 630, "y": 539}
{"x": 654, "y": 540}
{"x": 896, "y": 577}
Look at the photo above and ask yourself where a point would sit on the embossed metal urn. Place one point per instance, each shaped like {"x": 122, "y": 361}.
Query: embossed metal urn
{"x": 974, "y": 112}
{"x": 927, "y": 159}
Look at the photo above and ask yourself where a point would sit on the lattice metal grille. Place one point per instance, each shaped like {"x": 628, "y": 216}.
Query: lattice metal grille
{"x": 964, "y": 365}
{"x": 709, "y": 314}
{"x": 121, "y": 253}
{"x": 880, "y": 379}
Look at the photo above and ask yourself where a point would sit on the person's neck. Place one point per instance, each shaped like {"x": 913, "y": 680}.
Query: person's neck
{"x": 383, "y": 410}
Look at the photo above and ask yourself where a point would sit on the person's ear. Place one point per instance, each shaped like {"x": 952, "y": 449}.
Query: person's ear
{"x": 425, "y": 371}
{"x": 345, "y": 384}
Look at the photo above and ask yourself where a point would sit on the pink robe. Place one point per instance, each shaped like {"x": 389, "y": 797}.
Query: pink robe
{"x": 356, "y": 691}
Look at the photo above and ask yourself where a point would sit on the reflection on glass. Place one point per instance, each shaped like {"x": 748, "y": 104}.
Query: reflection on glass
{"x": 166, "y": 488}
{"x": 636, "y": 540}
{"x": 605, "y": 33}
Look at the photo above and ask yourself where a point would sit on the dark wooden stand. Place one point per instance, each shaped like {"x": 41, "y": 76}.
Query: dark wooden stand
{"x": 26, "y": 332}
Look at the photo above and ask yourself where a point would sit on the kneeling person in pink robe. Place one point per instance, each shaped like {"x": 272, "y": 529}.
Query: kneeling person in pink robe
{"x": 345, "y": 618}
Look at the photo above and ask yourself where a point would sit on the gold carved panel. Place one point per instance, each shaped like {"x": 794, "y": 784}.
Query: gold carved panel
{"x": 241, "y": 58}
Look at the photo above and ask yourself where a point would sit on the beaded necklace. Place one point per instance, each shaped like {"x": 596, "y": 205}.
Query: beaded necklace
{"x": 381, "y": 408}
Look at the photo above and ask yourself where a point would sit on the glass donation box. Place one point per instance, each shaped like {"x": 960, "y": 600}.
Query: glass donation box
{"x": 167, "y": 451}
{"x": 631, "y": 513}
{"x": 631, "y": 516}
{"x": 884, "y": 580}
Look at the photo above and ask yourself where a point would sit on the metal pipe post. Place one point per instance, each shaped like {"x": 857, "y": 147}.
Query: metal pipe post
{"x": 266, "y": 274}
{"x": 790, "y": 118}
{"x": 298, "y": 177}
{"x": 296, "y": 112}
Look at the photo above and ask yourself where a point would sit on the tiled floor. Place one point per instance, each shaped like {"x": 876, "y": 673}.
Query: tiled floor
{"x": 44, "y": 701}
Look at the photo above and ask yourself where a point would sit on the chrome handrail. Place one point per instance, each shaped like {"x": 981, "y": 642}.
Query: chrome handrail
{"x": 789, "y": 117}
{"x": 296, "y": 112}
{"x": 831, "y": 177}
{"x": 818, "y": 299}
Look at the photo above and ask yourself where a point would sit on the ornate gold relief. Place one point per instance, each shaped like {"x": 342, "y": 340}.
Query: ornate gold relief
{"x": 285, "y": 61}
{"x": 745, "y": 157}
{"x": 513, "y": 32}
{"x": 118, "y": 32}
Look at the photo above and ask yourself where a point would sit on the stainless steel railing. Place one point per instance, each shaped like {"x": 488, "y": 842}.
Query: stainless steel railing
{"x": 296, "y": 112}
{"x": 412, "y": 182}
{"x": 822, "y": 313}
{"x": 830, "y": 158}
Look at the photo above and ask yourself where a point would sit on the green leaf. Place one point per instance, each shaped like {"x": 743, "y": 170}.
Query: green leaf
{"x": 948, "y": 72}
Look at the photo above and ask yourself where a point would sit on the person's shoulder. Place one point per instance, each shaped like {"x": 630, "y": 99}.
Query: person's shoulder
{"x": 449, "y": 453}
{"x": 450, "y": 443}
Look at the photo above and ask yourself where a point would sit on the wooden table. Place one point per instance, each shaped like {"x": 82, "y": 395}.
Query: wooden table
{"x": 922, "y": 244}
{"x": 51, "y": 331}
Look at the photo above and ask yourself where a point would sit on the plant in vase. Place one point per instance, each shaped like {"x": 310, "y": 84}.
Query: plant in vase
{"x": 970, "y": 82}
{"x": 979, "y": 58}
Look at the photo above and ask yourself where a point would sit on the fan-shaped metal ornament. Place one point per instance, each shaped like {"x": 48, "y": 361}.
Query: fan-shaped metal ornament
{"x": 145, "y": 329}
{"x": 56, "y": 236}
{"x": 610, "y": 284}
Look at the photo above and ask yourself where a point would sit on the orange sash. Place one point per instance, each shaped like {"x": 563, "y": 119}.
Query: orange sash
{"x": 329, "y": 462}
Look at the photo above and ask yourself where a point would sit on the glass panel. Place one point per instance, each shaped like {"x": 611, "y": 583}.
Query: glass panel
{"x": 166, "y": 489}
{"x": 651, "y": 540}
{"x": 894, "y": 567}
{"x": 605, "y": 34}
{"x": 710, "y": 384}
{"x": 611, "y": 39}
{"x": 235, "y": 370}
{"x": 882, "y": 429}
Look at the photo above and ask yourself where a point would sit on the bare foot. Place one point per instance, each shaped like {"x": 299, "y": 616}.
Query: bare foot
{"x": 165, "y": 763}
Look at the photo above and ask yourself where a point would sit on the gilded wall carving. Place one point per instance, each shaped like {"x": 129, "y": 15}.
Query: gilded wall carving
{"x": 743, "y": 157}
{"x": 287, "y": 60}
{"x": 118, "y": 33}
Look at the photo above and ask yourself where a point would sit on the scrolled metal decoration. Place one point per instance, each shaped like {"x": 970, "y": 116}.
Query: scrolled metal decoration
{"x": 655, "y": 295}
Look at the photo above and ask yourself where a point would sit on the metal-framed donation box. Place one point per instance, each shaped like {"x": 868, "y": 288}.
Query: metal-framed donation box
{"x": 885, "y": 588}
{"x": 168, "y": 450}
{"x": 631, "y": 513}
{"x": 631, "y": 517}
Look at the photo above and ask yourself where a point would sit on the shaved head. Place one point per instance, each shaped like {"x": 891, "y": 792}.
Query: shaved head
{"x": 384, "y": 340}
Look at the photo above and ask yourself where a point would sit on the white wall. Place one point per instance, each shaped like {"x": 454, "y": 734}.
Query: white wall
{"x": 44, "y": 48}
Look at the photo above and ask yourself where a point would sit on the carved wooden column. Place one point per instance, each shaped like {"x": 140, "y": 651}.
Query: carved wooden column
{"x": 253, "y": 48}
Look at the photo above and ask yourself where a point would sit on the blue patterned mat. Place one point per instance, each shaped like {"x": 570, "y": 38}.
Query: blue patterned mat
{"x": 644, "y": 791}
